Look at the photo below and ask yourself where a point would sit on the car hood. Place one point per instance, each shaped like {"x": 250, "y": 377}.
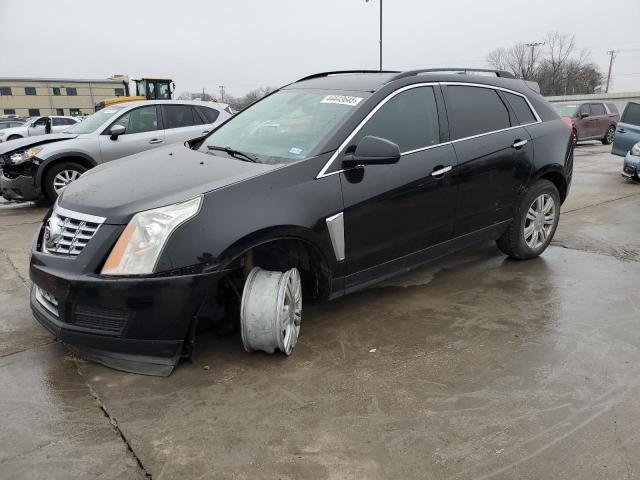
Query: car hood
{"x": 22, "y": 143}
{"x": 119, "y": 189}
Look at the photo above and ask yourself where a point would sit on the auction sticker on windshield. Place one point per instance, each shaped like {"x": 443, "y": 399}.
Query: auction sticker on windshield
{"x": 342, "y": 100}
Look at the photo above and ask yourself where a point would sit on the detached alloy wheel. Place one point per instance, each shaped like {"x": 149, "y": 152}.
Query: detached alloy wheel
{"x": 534, "y": 223}
{"x": 271, "y": 310}
{"x": 609, "y": 136}
{"x": 60, "y": 176}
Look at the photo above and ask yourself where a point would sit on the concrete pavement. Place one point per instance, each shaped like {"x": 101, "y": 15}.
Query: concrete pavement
{"x": 475, "y": 367}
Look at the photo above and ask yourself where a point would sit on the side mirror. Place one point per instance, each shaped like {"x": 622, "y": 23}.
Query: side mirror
{"x": 584, "y": 115}
{"x": 116, "y": 131}
{"x": 373, "y": 151}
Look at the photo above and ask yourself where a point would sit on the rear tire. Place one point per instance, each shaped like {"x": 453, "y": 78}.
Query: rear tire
{"x": 608, "y": 137}
{"x": 534, "y": 223}
{"x": 59, "y": 176}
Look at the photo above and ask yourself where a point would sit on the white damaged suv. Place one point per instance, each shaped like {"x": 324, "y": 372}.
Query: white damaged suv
{"x": 43, "y": 166}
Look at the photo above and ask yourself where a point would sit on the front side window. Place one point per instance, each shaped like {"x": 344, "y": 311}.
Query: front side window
{"x": 29, "y": 90}
{"x": 288, "y": 125}
{"x": 597, "y": 109}
{"x": 72, "y": 92}
{"x": 176, "y": 116}
{"x": 631, "y": 114}
{"x": 521, "y": 108}
{"x": 409, "y": 119}
{"x": 139, "y": 120}
{"x": 41, "y": 122}
{"x": 475, "y": 110}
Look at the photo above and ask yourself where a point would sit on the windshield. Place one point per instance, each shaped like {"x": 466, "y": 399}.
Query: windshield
{"x": 566, "y": 110}
{"x": 286, "y": 126}
{"x": 93, "y": 122}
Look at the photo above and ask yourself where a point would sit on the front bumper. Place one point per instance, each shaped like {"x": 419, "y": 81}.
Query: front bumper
{"x": 21, "y": 188}
{"x": 631, "y": 166}
{"x": 136, "y": 325}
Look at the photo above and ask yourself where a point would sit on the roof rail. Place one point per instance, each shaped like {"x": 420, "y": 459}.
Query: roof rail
{"x": 338, "y": 72}
{"x": 463, "y": 70}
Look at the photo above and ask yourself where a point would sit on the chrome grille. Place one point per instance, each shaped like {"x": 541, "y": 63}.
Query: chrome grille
{"x": 67, "y": 232}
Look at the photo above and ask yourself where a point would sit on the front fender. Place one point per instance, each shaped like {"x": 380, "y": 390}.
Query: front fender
{"x": 42, "y": 167}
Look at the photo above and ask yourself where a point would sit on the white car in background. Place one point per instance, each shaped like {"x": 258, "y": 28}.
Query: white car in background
{"x": 37, "y": 126}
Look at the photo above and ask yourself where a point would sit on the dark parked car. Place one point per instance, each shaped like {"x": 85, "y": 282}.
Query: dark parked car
{"x": 627, "y": 141}
{"x": 322, "y": 188}
{"x": 590, "y": 120}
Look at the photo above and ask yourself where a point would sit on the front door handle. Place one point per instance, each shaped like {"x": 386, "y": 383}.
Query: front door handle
{"x": 439, "y": 171}
{"x": 621, "y": 130}
{"x": 155, "y": 140}
{"x": 518, "y": 144}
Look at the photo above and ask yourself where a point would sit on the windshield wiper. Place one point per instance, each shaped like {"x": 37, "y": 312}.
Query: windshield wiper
{"x": 249, "y": 157}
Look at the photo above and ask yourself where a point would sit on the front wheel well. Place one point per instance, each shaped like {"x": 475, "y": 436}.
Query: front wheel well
{"x": 71, "y": 158}
{"x": 559, "y": 181}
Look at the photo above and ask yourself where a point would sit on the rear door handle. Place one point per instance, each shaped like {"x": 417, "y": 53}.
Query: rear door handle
{"x": 518, "y": 144}
{"x": 440, "y": 170}
{"x": 155, "y": 140}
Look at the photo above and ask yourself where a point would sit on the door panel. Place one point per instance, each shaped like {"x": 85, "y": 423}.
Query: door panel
{"x": 628, "y": 130}
{"x": 583, "y": 125}
{"x": 394, "y": 210}
{"x": 490, "y": 176}
{"x": 141, "y": 133}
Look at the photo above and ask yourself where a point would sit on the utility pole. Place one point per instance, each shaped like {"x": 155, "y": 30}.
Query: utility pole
{"x": 222, "y": 87}
{"x": 532, "y": 46}
{"x": 612, "y": 54}
{"x": 367, "y": 1}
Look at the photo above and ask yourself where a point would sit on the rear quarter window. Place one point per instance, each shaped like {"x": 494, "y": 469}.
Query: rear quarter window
{"x": 210, "y": 114}
{"x": 521, "y": 108}
{"x": 475, "y": 110}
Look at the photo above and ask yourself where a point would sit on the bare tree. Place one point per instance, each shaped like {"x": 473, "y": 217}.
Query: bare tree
{"x": 239, "y": 103}
{"x": 558, "y": 68}
{"x": 184, "y": 96}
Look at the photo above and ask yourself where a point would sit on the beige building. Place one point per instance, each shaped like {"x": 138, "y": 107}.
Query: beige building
{"x": 29, "y": 97}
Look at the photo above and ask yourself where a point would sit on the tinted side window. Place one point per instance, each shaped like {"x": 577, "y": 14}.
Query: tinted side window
{"x": 67, "y": 121}
{"x": 176, "y": 116}
{"x": 140, "y": 120}
{"x": 597, "y": 109}
{"x": 409, "y": 119}
{"x": 612, "y": 108}
{"x": 41, "y": 122}
{"x": 58, "y": 122}
{"x": 475, "y": 110}
{"x": 632, "y": 114}
{"x": 521, "y": 108}
{"x": 211, "y": 114}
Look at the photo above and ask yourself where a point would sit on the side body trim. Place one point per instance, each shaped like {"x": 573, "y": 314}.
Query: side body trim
{"x": 335, "y": 224}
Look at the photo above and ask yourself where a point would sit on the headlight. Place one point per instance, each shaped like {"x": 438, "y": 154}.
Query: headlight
{"x": 137, "y": 250}
{"x": 18, "y": 158}
{"x": 635, "y": 150}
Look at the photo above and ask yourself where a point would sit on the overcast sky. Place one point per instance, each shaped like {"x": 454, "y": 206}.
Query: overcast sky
{"x": 244, "y": 44}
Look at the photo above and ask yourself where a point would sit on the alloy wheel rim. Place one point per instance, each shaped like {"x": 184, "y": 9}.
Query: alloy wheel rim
{"x": 64, "y": 178}
{"x": 610, "y": 134}
{"x": 291, "y": 313}
{"x": 539, "y": 221}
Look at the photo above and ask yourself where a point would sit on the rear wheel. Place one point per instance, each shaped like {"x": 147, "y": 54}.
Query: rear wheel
{"x": 608, "y": 137}
{"x": 60, "y": 176}
{"x": 534, "y": 224}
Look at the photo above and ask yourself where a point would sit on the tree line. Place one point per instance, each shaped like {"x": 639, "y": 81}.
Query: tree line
{"x": 557, "y": 65}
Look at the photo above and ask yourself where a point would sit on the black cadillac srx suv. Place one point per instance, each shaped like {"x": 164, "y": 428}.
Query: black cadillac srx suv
{"x": 323, "y": 187}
